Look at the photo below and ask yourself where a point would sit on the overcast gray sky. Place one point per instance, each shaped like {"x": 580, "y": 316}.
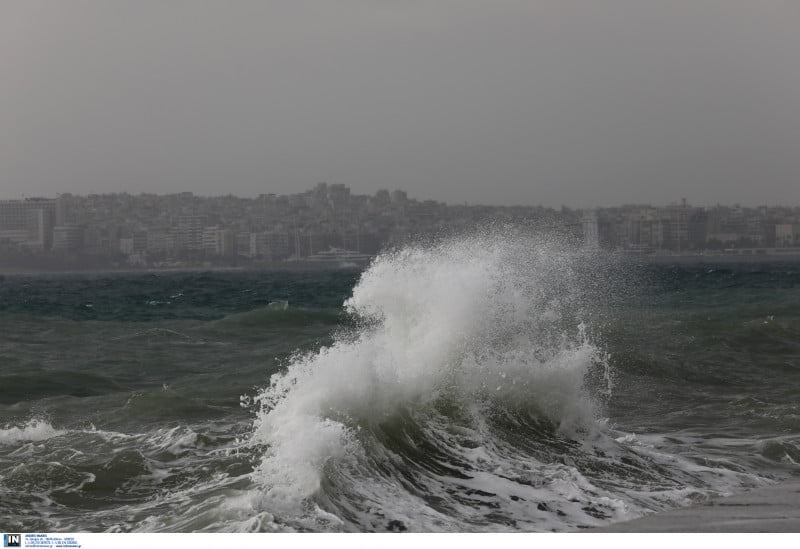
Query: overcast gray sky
{"x": 505, "y": 102}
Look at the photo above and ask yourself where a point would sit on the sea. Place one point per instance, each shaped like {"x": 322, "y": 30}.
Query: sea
{"x": 501, "y": 381}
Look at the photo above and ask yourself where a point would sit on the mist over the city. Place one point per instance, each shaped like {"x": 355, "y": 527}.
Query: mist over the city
{"x": 514, "y": 102}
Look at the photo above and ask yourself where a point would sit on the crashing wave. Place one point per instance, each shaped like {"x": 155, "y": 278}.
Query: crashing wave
{"x": 450, "y": 338}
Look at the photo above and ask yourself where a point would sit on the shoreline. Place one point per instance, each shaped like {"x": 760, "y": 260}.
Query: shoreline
{"x": 773, "y": 508}
{"x": 175, "y": 270}
{"x": 712, "y": 259}
{"x": 632, "y": 259}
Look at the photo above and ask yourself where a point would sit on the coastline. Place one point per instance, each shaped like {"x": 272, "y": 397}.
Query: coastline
{"x": 693, "y": 259}
{"x": 712, "y": 259}
{"x": 168, "y": 270}
{"x": 773, "y": 508}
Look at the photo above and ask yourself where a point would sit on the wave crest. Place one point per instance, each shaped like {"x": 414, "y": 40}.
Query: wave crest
{"x": 483, "y": 324}
{"x": 32, "y": 431}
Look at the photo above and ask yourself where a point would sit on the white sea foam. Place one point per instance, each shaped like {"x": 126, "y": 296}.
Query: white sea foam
{"x": 32, "y": 431}
{"x": 479, "y": 320}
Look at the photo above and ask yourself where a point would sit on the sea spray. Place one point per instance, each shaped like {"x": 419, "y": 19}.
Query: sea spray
{"x": 482, "y": 324}
{"x": 32, "y": 430}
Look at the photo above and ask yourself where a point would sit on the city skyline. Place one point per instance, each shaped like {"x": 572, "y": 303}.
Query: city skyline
{"x": 448, "y": 201}
{"x": 329, "y": 224}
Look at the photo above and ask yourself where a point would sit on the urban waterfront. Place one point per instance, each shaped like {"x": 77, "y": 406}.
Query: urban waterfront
{"x": 331, "y": 225}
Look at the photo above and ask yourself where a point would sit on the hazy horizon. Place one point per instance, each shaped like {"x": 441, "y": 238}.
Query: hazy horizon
{"x": 513, "y": 102}
{"x": 445, "y": 200}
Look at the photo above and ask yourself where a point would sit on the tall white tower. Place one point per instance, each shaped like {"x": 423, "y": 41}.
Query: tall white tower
{"x": 591, "y": 238}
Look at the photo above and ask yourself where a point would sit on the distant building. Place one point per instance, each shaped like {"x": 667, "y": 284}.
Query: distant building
{"x": 126, "y": 245}
{"x": 68, "y": 238}
{"x": 591, "y": 235}
{"x": 101, "y": 240}
{"x": 338, "y": 197}
{"x": 218, "y": 241}
{"x": 787, "y": 235}
{"x": 160, "y": 241}
{"x": 698, "y": 228}
{"x": 189, "y": 232}
{"x": 382, "y": 198}
{"x": 243, "y": 244}
{"x": 35, "y": 216}
{"x": 269, "y": 246}
{"x": 678, "y": 234}
{"x": 17, "y": 237}
{"x": 65, "y": 210}
{"x": 644, "y": 230}
{"x": 136, "y": 244}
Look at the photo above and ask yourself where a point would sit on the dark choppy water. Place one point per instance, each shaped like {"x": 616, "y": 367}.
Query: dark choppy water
{"x": 473, "y": 386}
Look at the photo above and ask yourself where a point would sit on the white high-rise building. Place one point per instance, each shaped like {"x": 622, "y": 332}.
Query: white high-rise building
{"x": 67, "y": 238}
{"x": 218, "y": 241}
{"x": 591, "y": 236}
{"x": 28, "y": 222}
{"x": 189, "y": 232}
